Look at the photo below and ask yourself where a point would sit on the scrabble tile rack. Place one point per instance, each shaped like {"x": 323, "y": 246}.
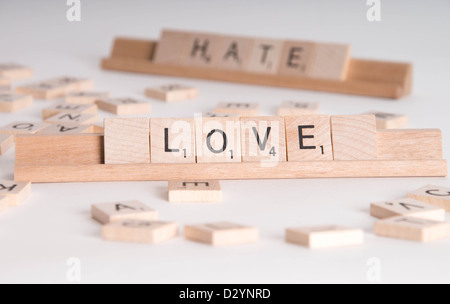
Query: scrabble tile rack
{"x": 365, "y": 77}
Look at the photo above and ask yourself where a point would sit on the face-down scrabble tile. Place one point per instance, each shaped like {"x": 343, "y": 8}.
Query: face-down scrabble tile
{"x": 70, "y": 108}
{"x": 73, "y": 118}
{"x": 124, "y": 106}
{"x": 218, "y": 140}
{"x": 67, "y": 129}
{"x": 354, "y": 137}
{"x": 265, "y": 56}
{"x": 221, "y": 234}
{"x": 172, "y": 140}
{"x": 297, "y": 58}
{"x": 437, "y": 196}
{"x": 389, "y": 120}
{"x": 241, "y": 109}
{"x": 121, "y": 211}
{"x": 298, "y": 108}
{"x": 412, "y": 229}
{"x": 234, "y": 53}
{"x": 140, "y": 231}
{"x": 23, "y": 127}
{"x": 55, "y": 88}
{"x": 325, "y": 236}
{"x": 12, "y": 102}
{"x": 6, "y": 143}
{"x": 4, "y": 203}
{"x": 85, "y": 97}
{"x": 263, "y": 139}
{"x": 407, "y": 207}
{"x": 17, "y": 192}
{"x": 331, "y": 61}
{"x": 308, "y": 138}
{"x": 15, "y": 71}
{"x": 195, "y": 191}
{"x": 202, "y": 50}
{"x": 172, "y": 92}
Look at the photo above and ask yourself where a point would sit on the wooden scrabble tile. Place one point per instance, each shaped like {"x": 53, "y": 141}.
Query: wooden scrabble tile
{"x": 195, "y": 191}
{"x": 5, "y": 84}
{"x": 295, "y": 108}
{"x": 407, "y": 207}
{"x": 234, "y": 53}
{"x": 17, "y": 192}
{"x": 202, "y": 50}
{"x": 265, "y": 56}
{"x": 263, "y": 139}
{"x": 73, "y": 118}
{"x": 389, "y": 120}
{"x": 4, "y": 203}
{"x": 221, "y": 234}
{"x": 85, "y": 97}
{"x": 172, "y": 92}
{"x": 127, "y": 141}
{"x": 122, "y": 211}
{"x": 238, "y": 108}
{"x": 308, "y": 138}
{"x": 15, "y": 71}
{"x": 331, "y": 61}
{"x": 56, "y": 88}
{"x": 124, "y": 106}
{"x": 70, "y": 108}
{"x": 325, "y": 237}
{"x": 354, "y": 137}
{"x": 218, "y": 140}
{"x": 172, "y": 140}
{"x": 297, "y": 58}
{"x": 23, "y": 127}
{"x": 437, "y": 196}
{"x": 6, "y": 143}
{"x": 138, "y": 231}
{"x": 412, "y": 229}
{"x": 98, "y": 129}
{"x": 12, "y": 102}
{"x": 212, "y": 114}
{"x": 171, "y": 46}
{"x": 66, "y": 129}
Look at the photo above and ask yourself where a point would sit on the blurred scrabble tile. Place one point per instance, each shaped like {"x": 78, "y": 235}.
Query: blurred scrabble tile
{"x": 241, "y": 109}
{"x": 202, "y": 50}
{"x": 354, "y": 137}
{"x": 15, "y": 71}
{"x": 265, "y": 56}
{"x": 171, "y": 46}
{"x": 221, "y": 234}
{"x": 412, "y": 229}
{"x": 127, "y": 141}
{"x": 263, "y": 139}
{"x": 212, "y": 114}
{"x": 407, "y": 207}
{"x": 437, "y": 196}
{"x": 23, "y": 127}
{"x": 98, "y": 129}
{"x": 121, "y": 211}
{"x": 55, "y": 88}
{"x": 218, "y": 140}
{"x": 195, "y": 191}
{"x": 140, "y": 231}
{"x": 17, "y": 192}
{"x": 6, "y": 143}
{"x": 331, "y": 61}
{"x": 4, "y": 203}
{"x": 172, "y": 92}
{"x": 294, "y": 108}
{"x": 12, "y": 102}
{"x": 124, "y": 106}
{"x": 297, "y": 58}
{"x": 389, "y": 120}
{"x": 5, "y": 85}
{"x": 68, "y": 108}
{"x": 172, "y": 140}
{"x": 325, "y": 237}
{"x": 85, "y": 97}
{"x": 308, "y": 138}
{"x": 234, "y": 53}
{"x": 66, "y": 129}
{"x": 73, "y": 118}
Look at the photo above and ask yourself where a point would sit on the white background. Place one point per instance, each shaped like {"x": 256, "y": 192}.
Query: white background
{"x": 54, "y": 224}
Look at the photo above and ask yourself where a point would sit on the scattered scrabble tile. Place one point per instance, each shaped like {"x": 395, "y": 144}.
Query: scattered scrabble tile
{"x": 12, "y": 102}
{"x": 66, "y": 129}
{"x": 221, "y": 234}
{"x": 212, "y": 114}
{"x": 127, "y": 141}
{"x": 172, "y": 92}
{"x": 308, "y": 138}
{"x": 124, "y": 106}
{"x": 434, "y": 195}
{"x": 407, "y": 207}
{"x": 5, "y": 85}
{"x": 55, "y": 88}
{"x": 202, "y": 50}
{"x": 294, "y": 108}
{"x": 263, "y": 139}
{"x": 265, "y": 56}
{"x": 4, "y": 203}
{"x": 241, "y": 109}
{"x": 68, "y": 108}
{"x": 389, "y": 120}
{"x": 354, "y": 137}
{"x": 122, "y": 211}
{"x": 195, "y": 191}
{"x": 412, "y": 229}
{"x": 234, "y": 53}
{"x": 73, "y": 118}
{"x": 6, "y": 143}
{"x": 15, "y": 71}
{"x": 297, "y": 58}
{"x": 331, "y": 61}
{"x": 86, "y": 97}
{"x": 138, "y": 231}
{"x": 325, "y": 237}
{"x": 17, "y": 192}
{"x": 23, "y": 127}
